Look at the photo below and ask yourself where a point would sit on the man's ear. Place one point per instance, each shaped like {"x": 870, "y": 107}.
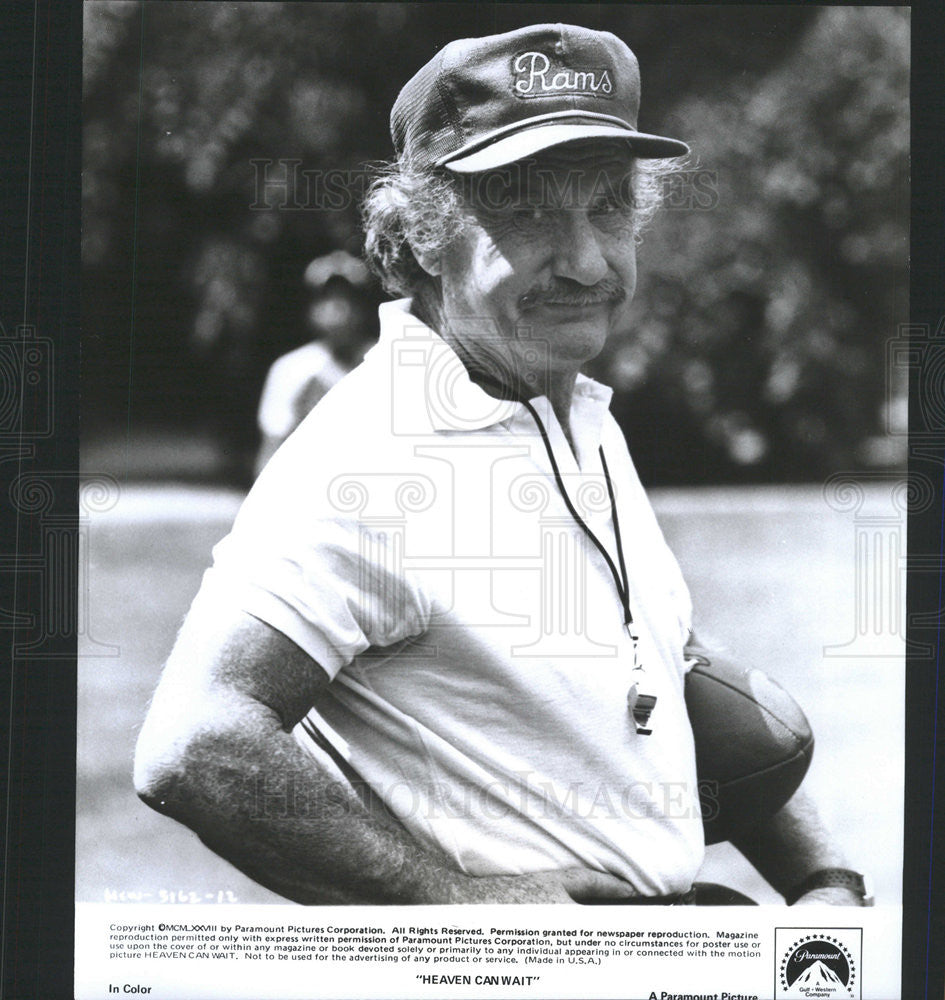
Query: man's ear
{"x": 430, "y": 262}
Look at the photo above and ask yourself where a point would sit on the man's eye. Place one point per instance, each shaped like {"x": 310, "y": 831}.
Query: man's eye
{"x": 606, "y": 208}
{"x": 531, "y": 213}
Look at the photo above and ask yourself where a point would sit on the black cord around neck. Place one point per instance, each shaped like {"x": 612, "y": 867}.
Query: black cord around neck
{"x": 621, "y": 580}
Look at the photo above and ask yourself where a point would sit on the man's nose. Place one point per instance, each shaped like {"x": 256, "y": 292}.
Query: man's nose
{"x": 578, "y": 252}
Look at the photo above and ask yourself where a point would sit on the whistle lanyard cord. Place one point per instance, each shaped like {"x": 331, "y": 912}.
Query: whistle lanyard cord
{"x": 623, "y": 565}
{"x": 621, "y": 580}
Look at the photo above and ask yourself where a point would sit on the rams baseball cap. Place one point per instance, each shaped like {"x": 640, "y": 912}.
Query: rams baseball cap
{"x": 482, "y": 103}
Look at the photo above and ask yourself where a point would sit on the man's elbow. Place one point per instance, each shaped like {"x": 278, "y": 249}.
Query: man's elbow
{"x": 159, "y": 775}
{"x": 188, "y": 754}
{"x": 166, "y": 766}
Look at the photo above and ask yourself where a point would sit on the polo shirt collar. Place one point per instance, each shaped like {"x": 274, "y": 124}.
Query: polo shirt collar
{"x": 462, "y": 405}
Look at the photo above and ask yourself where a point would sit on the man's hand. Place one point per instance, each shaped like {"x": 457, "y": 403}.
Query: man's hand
{"x": 569, "y": 885}
{"x": 834, "y": 895}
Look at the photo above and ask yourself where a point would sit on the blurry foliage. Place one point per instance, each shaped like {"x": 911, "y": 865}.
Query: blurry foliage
{"x": 766, "y": 317}
{"x": 767, "y": 288}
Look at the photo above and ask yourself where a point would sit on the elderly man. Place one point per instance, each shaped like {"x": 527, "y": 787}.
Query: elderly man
{"x": 440, "y": 657}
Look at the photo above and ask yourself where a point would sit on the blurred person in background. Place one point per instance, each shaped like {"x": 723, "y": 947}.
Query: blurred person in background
{"x": 368, "y": 701}
{"x": 340, "y": 317}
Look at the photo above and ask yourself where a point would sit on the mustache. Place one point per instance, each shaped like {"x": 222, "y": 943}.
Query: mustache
{"x": 565, "y": 292}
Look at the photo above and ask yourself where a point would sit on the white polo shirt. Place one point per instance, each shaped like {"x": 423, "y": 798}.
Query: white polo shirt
{"x": 411, "y": 538}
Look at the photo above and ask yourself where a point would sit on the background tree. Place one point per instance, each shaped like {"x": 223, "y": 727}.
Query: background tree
{"x": 767, "y": 291}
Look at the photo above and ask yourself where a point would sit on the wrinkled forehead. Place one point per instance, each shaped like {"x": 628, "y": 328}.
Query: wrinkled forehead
{"x": 574, "y": 175}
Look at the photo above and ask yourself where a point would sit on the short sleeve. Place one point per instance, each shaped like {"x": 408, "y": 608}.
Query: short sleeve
{"x": 330, "y": 584}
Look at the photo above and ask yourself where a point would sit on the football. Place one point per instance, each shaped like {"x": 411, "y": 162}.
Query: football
{"x": 753, "y": 744}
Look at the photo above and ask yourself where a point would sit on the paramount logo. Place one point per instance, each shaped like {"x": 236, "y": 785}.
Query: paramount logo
{"x": 534, "y": 76}
{"x": 818, "y": 964}
{"x": 807, "y": 956}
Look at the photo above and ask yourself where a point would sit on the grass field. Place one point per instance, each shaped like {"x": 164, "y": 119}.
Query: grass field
{"x": 773, "y": 578}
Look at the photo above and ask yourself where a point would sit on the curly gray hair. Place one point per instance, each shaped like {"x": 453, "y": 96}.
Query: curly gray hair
{"x": 408, "y": 211}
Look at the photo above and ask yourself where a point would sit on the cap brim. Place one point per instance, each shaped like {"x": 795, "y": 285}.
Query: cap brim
{"x": 533, "y": 139}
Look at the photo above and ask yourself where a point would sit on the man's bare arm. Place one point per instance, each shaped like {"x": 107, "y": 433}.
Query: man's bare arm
{"x": 216, "y": 752}
{"x": 794, "y": 844}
